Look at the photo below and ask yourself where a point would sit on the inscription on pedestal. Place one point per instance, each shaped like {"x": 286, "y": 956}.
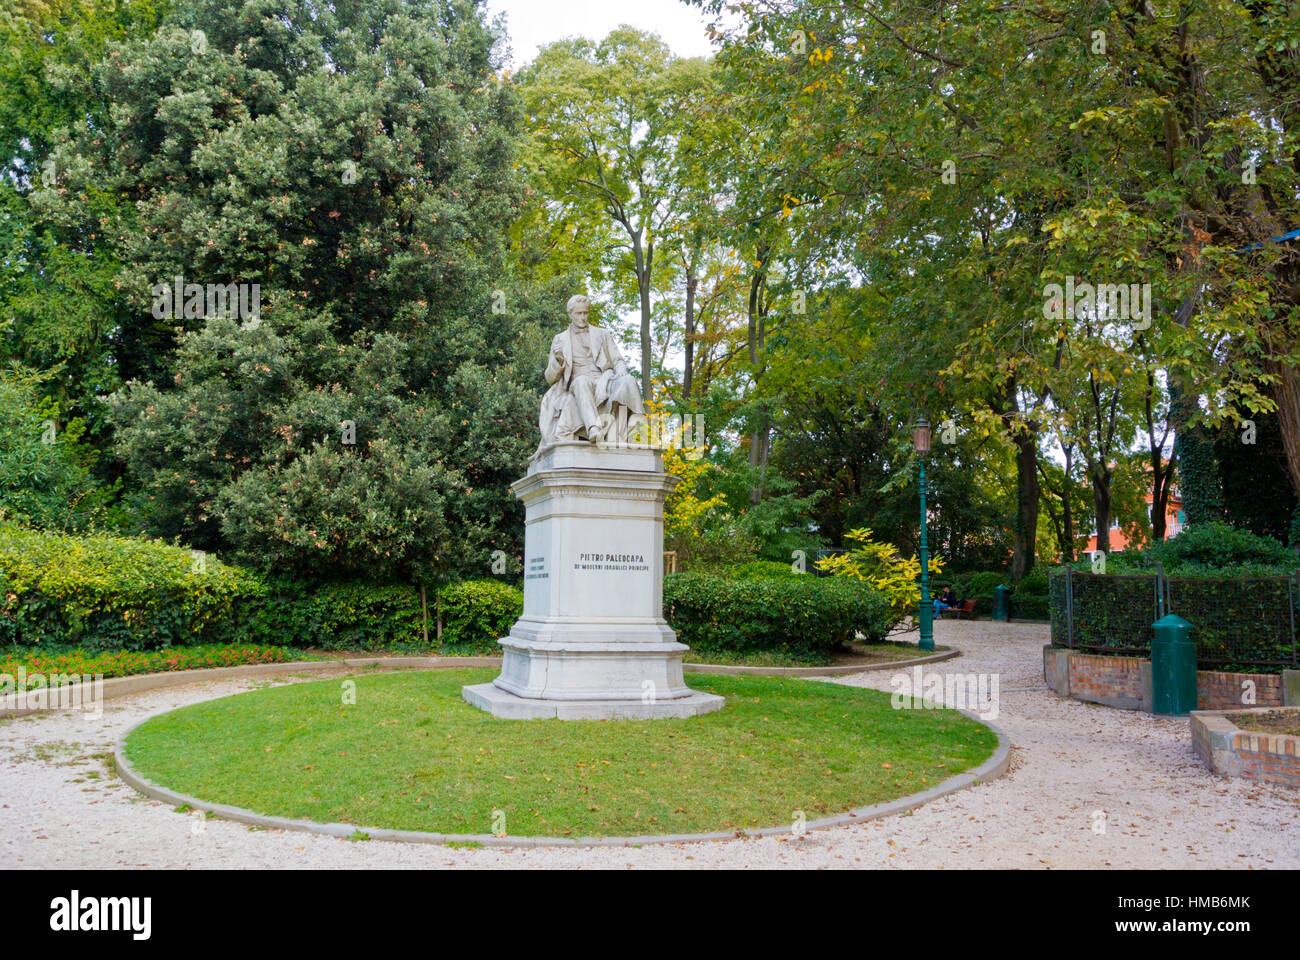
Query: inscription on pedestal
{"x": 611, "y": 561}
{"x": 537, "y": 569}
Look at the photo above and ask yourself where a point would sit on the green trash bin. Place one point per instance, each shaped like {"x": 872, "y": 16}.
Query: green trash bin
{"x": 1002, "y": 602}
{"x": 1173, "y": 667}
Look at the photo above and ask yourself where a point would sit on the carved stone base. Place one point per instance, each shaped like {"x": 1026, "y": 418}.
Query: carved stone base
{"x": 593, "y": 630}
{"x": 559, "y": 670}
{"x": 507, "y": 706}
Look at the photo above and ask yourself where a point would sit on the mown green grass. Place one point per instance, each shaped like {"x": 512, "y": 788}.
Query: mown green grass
{"x": 411, "y": 755}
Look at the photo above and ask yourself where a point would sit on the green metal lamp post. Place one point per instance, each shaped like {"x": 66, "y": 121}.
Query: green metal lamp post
{"x": 921, "y": 442}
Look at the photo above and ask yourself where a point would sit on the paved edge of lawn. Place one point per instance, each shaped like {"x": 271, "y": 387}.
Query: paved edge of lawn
{"x": 992, "y": 768}
{"x": 117, "y": 687}
{"x": 739, "y": 670}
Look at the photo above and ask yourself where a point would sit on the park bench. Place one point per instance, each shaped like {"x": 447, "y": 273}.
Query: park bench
{"x": 964, "y": 612}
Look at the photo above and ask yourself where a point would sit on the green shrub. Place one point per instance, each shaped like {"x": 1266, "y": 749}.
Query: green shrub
{"x": 1032, "y": 606}
{"x": 104, "y": 593}
{"x": 760, "y": 569}
{"x": 477, "y": 613}
{"x": 979, "y": 584}
{"x": 1029, "y": 596}
{"x": 1210, "y": 549}
{"x": 346, "y": 615}
{"x": 118, "y": 593}
{"x": 804, "y": 617}
{"x": 1217, "y": 545}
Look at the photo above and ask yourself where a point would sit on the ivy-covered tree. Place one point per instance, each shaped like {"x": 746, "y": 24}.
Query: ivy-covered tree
{"x": 1251, "y": 464}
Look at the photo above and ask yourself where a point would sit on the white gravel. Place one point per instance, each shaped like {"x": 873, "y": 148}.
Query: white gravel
{"x": 1162, "y": 808}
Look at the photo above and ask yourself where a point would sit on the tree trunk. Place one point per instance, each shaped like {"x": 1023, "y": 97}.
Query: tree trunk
{"x": 1159, "y": 506}
{"x": 1286, "y": 392}
{"x": 1028, "y": 491}
{"x": 759, "y": 442}
{"x": 1160, "y": 474}
{"x": 688, "y": 367}
{"x": 644, "y": 259}
{"x": 1067, "y": 509}
{"x": 1101, "y": 505}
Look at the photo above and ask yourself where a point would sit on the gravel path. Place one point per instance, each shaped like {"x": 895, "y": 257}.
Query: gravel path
{"x": 59, "y": 808}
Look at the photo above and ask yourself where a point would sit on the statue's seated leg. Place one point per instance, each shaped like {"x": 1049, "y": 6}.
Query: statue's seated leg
{"x": 569, "y": 423}
{"x": 583, "y": 392}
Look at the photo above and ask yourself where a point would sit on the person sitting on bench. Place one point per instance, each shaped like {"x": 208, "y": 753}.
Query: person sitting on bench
{"x": 947, "y": 601}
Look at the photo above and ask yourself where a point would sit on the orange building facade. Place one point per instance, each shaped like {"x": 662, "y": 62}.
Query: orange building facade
{"x": 1175, "y": 520}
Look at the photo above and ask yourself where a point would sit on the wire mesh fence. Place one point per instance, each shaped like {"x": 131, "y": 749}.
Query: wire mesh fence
{"x": 1236, "y": 621}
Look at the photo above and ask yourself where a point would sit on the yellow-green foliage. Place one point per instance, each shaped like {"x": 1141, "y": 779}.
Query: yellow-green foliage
{"x": 684, "y": 511}
{"x": 115, "y": 592}
{"x": 700, "y": 529}
{"x": 120, "y": 593}
{"x": 882, "y": 566}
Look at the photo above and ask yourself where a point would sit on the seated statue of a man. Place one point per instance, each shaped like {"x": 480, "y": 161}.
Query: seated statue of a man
{"x": 592, "y": 395}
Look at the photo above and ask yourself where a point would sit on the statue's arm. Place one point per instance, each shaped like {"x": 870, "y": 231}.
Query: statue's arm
{"x": 554, "y": 368}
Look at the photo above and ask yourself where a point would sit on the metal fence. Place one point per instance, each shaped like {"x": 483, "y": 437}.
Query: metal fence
{"x": 1236, "y": 621}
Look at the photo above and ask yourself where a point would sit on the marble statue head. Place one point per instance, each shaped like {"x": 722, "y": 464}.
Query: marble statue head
{"x": 578, "y": 307}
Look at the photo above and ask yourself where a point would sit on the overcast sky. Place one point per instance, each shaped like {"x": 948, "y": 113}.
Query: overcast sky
{"x": 535, "y": 23}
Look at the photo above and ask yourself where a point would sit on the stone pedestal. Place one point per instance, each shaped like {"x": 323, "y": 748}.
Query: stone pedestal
{"x": 592, "y": 642}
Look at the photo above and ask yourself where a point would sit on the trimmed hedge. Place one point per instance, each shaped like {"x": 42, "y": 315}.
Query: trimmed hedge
{"x": 477, "y": 613}
{"x": 1029, "y": 596}
{"x": 802, "y": 616}
{"x": 760, "y": 570}
{"x": 117, "y": 593}
{"x": 1238, "y": 623}
{"x": 347, "y": 615}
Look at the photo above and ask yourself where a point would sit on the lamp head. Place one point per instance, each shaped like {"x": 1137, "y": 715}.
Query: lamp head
{"x": 921, "y": 436}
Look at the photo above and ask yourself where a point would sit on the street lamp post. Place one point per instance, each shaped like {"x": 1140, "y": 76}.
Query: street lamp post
{"x": 921, "y": 442}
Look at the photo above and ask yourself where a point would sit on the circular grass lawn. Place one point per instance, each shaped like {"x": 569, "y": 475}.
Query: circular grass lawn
{"x": 411, "y": 755}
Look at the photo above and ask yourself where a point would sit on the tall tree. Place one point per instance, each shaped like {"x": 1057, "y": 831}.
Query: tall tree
{"x": 357, "y": 163}
{"x": 604, "y": 118}
{"x": 62, "y": 311}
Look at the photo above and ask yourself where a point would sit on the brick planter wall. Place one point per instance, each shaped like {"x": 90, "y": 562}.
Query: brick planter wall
{"x": 1223, "y": 691}
{"x": 1232, "y": 752}
{"x": 1125, "y": 682}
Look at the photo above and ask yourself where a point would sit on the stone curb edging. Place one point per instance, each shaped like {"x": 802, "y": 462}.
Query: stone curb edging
{"x": 831, "y": 671}
{"x": 992, "y": 768}
{"x": 117, "y": 687}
